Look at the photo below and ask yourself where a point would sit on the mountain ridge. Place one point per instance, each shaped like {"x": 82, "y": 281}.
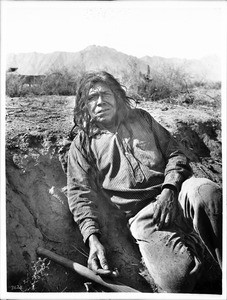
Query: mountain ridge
{"x": 95, "y": 57}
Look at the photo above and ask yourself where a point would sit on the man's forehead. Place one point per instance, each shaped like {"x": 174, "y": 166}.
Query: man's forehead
{"x": 99, "y": 87}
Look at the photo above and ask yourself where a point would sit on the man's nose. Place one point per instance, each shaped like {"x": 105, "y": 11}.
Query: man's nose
{"x": 100, "y": 100}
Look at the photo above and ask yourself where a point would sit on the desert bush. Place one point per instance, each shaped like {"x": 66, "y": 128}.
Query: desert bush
{"x": 130, "y": 78}
{"x": 56, "y": 82}
{"x": 213, "y": 85}
{"x": 35, "y": 279}
{"x": 160, "y": 84}
{"x": 167, "y": 81}
{"x": 13, "y": 85}
{"x": 60, "y": 82}
{"x": 198, "y": 83}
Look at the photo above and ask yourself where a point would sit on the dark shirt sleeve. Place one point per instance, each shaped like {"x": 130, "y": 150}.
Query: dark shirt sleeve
{"x": 82, "y": 193}
{"x": 177, "y": 164}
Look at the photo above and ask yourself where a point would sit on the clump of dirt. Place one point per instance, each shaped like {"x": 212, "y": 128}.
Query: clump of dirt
{"x": 37, "y": 208}
{"x": 198, "y": 130}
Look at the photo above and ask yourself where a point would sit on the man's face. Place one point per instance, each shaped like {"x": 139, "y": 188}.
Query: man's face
{"x": 102, "y": 105}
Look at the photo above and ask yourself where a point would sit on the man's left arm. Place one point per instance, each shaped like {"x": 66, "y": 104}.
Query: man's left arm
{"x": 177, "y": 164}
{"x": 176, "y": 172}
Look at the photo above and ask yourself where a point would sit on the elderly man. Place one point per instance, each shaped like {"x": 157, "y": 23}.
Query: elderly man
{"x": 124, "y": 153}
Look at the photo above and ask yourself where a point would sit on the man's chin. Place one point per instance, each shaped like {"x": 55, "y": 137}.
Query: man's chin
{"x": 102, "y": 117}
{"x": 102, "y": 120}
{"x": 105, "y": 122}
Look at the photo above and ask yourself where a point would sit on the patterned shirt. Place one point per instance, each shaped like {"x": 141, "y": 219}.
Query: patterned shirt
{"x": 130, "y": 166}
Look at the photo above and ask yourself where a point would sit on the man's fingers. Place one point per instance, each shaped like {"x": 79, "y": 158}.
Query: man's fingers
{"x": 108, "y": 273}
{"x": 161, "y": 220}
{"x": 93, "y": 264}
{"x": 103, "y": 261}
{"x": 157, "y": 212}
{"x": 103, "y": 272}
{"x": 168, "y": 220}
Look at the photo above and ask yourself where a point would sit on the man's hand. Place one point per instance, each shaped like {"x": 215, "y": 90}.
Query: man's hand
{"x": 165, "y": 208}
{"x": 97, "y": 261}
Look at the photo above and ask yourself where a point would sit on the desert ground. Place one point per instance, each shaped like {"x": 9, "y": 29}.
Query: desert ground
{"x": 37, "y": 209}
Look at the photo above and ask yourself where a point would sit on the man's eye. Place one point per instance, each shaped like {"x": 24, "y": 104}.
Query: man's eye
{"x": 93, "y": 98}
{"x": 107, "y": 95}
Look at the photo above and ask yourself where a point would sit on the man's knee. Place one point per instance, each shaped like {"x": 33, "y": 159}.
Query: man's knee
{"x": 197, "y": 193}
{"x": 171, "y": 264}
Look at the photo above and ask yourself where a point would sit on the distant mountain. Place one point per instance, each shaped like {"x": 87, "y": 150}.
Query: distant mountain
{"x": 206, "y": 68}
{"x": 104, "y": 58}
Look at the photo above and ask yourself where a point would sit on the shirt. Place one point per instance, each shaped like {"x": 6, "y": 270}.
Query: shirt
{"x": 131, "y": 166}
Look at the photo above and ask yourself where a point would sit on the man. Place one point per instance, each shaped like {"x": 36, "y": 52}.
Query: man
{"x": 123, "y": 153}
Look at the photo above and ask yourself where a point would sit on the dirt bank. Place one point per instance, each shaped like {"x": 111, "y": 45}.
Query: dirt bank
{"x": 37, "y": 209}
{"x": 38, "y": 215}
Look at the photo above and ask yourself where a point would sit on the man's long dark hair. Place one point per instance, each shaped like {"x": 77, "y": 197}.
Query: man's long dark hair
{"x": 82, "y": 119}
{"x": 81, "y": 116}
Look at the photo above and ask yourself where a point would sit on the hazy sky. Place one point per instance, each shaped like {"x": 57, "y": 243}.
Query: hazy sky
{"x": 171, "y": 29}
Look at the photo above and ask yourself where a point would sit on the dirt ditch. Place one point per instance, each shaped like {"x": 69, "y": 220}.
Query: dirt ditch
{"x": 37, "y": 209}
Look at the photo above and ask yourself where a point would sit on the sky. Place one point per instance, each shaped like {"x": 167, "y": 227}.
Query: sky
{"x": 139, "y": 28}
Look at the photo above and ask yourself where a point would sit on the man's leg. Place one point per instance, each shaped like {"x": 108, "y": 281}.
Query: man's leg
{"x": 172, "y": 257}
{"x": 201, "y": 203}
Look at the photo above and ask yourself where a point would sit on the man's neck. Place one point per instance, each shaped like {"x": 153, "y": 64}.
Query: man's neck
{"x": 110, "y": 126}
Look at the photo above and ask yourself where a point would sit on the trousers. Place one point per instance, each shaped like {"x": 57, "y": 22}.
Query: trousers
{"x": 174, "y": 256}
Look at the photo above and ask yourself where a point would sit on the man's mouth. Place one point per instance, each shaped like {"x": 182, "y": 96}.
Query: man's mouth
{"x": 101, "y": 111}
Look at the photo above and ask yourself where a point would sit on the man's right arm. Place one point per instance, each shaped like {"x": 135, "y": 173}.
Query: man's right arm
{"x": 81, "y": 194}
{"x": 81, "y": 199}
